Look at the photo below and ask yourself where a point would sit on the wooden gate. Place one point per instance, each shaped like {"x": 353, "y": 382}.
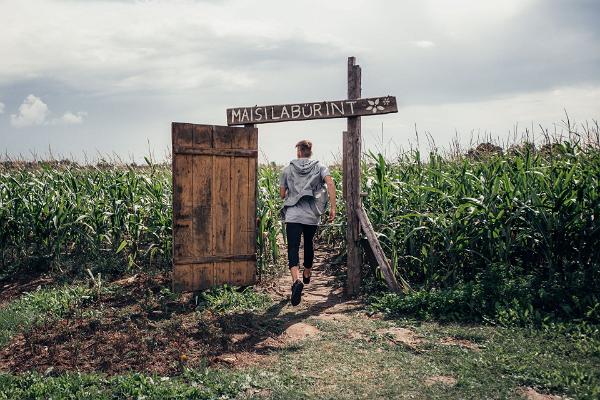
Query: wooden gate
{"x": 214, "y": 205}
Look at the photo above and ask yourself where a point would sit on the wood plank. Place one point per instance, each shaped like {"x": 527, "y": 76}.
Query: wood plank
{"x": 353, "y": 147}
{"x": 223, "y": 136}
{"x": 182, "y": 133}
{"x": 202, "y": 210}
{"x": 344, "y": 162}
{"x": 238, "y": 273}
{"x": 183, "y": 278}
{"x": 190, "y": 277}
{"x": 203, "y": 137}
{"x": 251, "y": 228}
{"x": 213, "y": 259}
{"x": 222, "y": 139}
{"x": 221, "y": 205}
{"x": 182, "y": 206}
{"x": 204, "y": 275}
{"x": 352, "y": 107}
{"x": 202, "y": 206}
{"x": 240, "y": 216}
{"x": 382, "y": 260}
{"x": 217, "y": 152}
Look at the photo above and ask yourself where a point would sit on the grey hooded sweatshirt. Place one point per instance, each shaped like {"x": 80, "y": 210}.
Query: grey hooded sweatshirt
{"x": 301, "y": 178}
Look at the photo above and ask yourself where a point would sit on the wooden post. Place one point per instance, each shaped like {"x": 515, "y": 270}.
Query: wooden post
{"x": 344, "y": 166}
{"x": 352, "y": 174}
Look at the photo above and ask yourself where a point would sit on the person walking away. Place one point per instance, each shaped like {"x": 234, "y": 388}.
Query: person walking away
{"x": 301, "y": 183}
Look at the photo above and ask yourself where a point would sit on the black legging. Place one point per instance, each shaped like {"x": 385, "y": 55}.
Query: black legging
{"x": 294, "y": 231}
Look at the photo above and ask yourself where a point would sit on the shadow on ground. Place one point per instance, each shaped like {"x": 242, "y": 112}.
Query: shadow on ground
{"x": 137, "y": 328}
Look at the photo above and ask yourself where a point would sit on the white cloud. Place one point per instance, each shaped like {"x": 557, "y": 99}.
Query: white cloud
{"x": 149, "y": 46}
{"x": 33, "y": 111}
{"x": 69, "y": 118}
{"x": 424, "y": 44}
{"x": 1, "y": 108}
{"x": 464, "y": 17}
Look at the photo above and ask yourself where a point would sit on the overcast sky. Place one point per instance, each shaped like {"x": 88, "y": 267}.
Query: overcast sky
{"x": 108, "y": 77}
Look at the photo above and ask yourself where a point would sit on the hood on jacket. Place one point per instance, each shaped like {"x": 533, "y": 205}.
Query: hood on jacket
{"x": 304, "y": 166}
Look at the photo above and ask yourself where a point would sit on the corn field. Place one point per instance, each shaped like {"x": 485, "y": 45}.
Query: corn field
{"x": 109, "y": 218}
{"x": 492, "y": 235}
{"x": 495, "y": 232}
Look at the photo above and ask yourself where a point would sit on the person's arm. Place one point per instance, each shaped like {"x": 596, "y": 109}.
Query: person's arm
{"x": 282, "y": 184}
{"x": 331, "y": 192}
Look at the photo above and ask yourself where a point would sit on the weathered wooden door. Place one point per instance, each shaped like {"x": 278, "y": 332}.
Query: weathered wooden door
{"x": 214, "y": 205}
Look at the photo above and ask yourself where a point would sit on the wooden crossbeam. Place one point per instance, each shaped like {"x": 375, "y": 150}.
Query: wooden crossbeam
{"x": 217, "y": 259}
{"x": 384, "y": 264}
{"x": 216, "y": 152}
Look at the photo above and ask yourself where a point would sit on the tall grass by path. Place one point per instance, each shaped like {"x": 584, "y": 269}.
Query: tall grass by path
{"x": 507, "y": 236}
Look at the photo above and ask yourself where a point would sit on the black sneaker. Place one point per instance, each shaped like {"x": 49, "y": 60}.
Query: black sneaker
{"x": 306, "y": 279}
{"x": 297, "y": 292}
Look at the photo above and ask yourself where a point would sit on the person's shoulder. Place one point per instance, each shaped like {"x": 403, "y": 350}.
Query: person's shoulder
{"x": 285, "y": 170}
{"x": 324, "y": 169}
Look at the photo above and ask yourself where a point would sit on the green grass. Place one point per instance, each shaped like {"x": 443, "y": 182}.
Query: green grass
{"x": 350, "y": 358}
{"x": 228, "y": 299}
{"x": 35, "y": 307}
{"x": 196, "y": 384}
{"x": 334, "y": 366}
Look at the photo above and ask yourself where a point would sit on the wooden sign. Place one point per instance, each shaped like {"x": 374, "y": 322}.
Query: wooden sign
{"x": 316, "y": 110}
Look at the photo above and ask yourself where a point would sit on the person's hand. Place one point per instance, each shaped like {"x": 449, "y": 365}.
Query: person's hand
{"x": 331, "y": 214}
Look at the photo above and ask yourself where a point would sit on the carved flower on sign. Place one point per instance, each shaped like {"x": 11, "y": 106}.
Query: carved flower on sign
{"x": 374, "y": 106}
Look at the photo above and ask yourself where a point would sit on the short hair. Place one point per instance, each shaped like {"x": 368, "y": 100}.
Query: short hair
{"x": 305, "y": 147}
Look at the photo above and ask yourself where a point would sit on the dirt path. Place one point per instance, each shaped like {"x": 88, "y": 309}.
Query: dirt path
{"x": 325, "y": 292}
{"x": 283, "y": 324}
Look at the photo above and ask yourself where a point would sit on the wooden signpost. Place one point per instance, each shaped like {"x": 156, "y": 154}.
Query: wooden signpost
{"x": 353, "y": 108}
{"x": 214, "y": 186}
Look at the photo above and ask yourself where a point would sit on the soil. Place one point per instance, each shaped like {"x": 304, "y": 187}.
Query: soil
{"x": 401, "y": 336}
{"x": 465, "y": 344}
{"x": 531, "y": 394}
{"x": 137, "y": 328}
{"x": 440, "y": 379}
{"x": 299, "y": 331}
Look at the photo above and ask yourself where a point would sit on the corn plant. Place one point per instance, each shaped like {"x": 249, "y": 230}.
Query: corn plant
{"x": 269, "y": 220}
{"x": 110, "y": 217}
{"x": 521, "y": 227}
